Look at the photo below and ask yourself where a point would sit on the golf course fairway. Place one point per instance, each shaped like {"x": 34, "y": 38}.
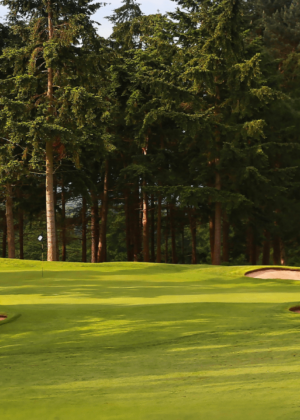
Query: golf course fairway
{"x": 139, "y": 341}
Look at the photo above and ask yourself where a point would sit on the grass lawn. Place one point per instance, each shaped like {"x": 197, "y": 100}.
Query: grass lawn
{"x": 146, "y": 342}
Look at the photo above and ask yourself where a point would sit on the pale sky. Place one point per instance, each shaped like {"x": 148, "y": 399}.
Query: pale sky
{"x": 147, "y": 6}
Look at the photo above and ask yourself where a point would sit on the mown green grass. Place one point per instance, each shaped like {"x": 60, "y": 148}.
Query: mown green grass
{"x": 146, "y": 342}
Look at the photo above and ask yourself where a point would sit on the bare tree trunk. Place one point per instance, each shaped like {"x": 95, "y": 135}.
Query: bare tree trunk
{"x": 173, "y": 235}
{"x": 136, "y": 214}
{"x": 83, "y": 232}
{"x": 4, "y": 237}
{"x": 21, "y": 233}
{"x": 50, "y": 211}
{"x": 103, "y": 229}
{"x": 254, "y": 251}
{"x": 131, "y": 211}
{"x": 55, "y": 215}
{"x": 251, "y": 245}
{"x": 218, "y": 226}
{"x": 158, "y": 237}
{"x": 225, "y": 254}
{"x": 94, "y": 228}
{"x": 182, "y": 244}
{"x": 63, "y": 216}
{"x": 276, "y": 250}
{"x": 152, "y": 229}
{"x": 10, "y": 222}
{"x": 282, "y": 253}
{"x": 266, "y": 249}
{"x": 194, "y": 236}
{"x": 166, "y": 239}
{"x": 212, "y": 236}
{"x": 127, "y": 225}
{"x": 145, "y": 226}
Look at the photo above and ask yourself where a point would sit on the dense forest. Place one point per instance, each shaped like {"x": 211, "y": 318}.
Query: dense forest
{"x": 174, "y": 140}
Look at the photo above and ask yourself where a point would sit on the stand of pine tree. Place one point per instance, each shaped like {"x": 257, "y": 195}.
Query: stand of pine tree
{"x": 175, "y": 140}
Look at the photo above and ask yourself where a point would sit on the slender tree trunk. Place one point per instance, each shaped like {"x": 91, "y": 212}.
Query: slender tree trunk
{"x": 218, "y": 226}
{"x": 212, "y": 236}
{"x": 131, "y": 211}
{"x": 225, "y": 255}
{"x": 182, "y": 244}
{"x": 145, "y": 226}
{"x": 282, "y": 253}
{"x": 94, "y": 228}
{"x": 276, "y": 250}
{"x": 63, "y": 215}
{"x": 83, "y": 232}
{"x": 158, "y": 235}
{"x": 4, "y": 237}
{"x": 136, "y": 214}
{"x": 10, "y": 222}
{"x": 166, "y": 240}
{"x": 50, "y": 211}
{"x": 254, "y": 251}
{"x": 251, "y": 245}
{"x": 194, "y": 236}
{"x": 21, "y": 233}
{"x": 173, "y": 235}
{"x": 127, "y": 225}
{"x": 103, "y": 229}
{"x": 55, "y": 215}
{"x": 266, "y": 249}
{"x": 152, "y": 229}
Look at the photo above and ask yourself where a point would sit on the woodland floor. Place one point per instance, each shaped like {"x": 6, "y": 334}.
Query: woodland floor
{"x": 134, "y": 341}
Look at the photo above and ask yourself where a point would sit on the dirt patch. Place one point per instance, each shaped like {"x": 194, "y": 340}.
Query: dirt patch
{"x": 274, "y": 273}
{"x": 295, "y": 309}
{"x": 3, "y": 317}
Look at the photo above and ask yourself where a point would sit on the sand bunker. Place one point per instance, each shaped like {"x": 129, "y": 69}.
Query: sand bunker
{"x": 275, "y": 273}
{"x": 3, "y": 317}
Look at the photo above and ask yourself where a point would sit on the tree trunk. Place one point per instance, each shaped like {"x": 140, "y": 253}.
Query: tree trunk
{"x": 4, "y": 237}
{"x": 136, "y": 215}
{"x": 158, "y": 235}
{"x": 21, "y": 233}
{"x": 194, "y": 236}
{"x": 50, "y": 211}
{"x": 83, "y": 232}
{"x": 94, "y": 228}
{"x": 103, "y": 229}
{"x": 266, "y": 249}
{"x": 166, "y": 240}
{"x": 145, "y": 226}
{"x": 218, "y": 226}
{"x": 10, "y": 223}
{"x": 225, "y": 254}
{"x": 127, "y": 225}
{"x": 173, "y": 235}
{"x": 251, "y": 245}
{"x": 152, "y": 229}
{"x": 282, "y": 253}
{"x": 182, "y": 244}
{"x": 63, "y": 216}
{"x": 55, "y": 215}
{"x": 212, "y": 236}
{"x": 276, "y": 250}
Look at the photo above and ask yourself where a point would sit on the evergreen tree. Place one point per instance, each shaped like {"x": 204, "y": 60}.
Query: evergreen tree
{"x": 47, "y": 79}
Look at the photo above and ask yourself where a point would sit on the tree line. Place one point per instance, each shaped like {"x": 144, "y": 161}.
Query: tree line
{"x": 177, "y": 125}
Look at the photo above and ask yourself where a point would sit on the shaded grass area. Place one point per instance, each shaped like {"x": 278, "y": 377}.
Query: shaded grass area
{"x": 145, "y": 341}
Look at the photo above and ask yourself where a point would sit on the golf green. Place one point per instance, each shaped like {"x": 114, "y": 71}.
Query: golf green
{"x": 145, "y": 341}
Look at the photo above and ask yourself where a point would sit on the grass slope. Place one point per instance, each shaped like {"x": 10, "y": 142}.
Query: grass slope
{"x": 146, "y": 342}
